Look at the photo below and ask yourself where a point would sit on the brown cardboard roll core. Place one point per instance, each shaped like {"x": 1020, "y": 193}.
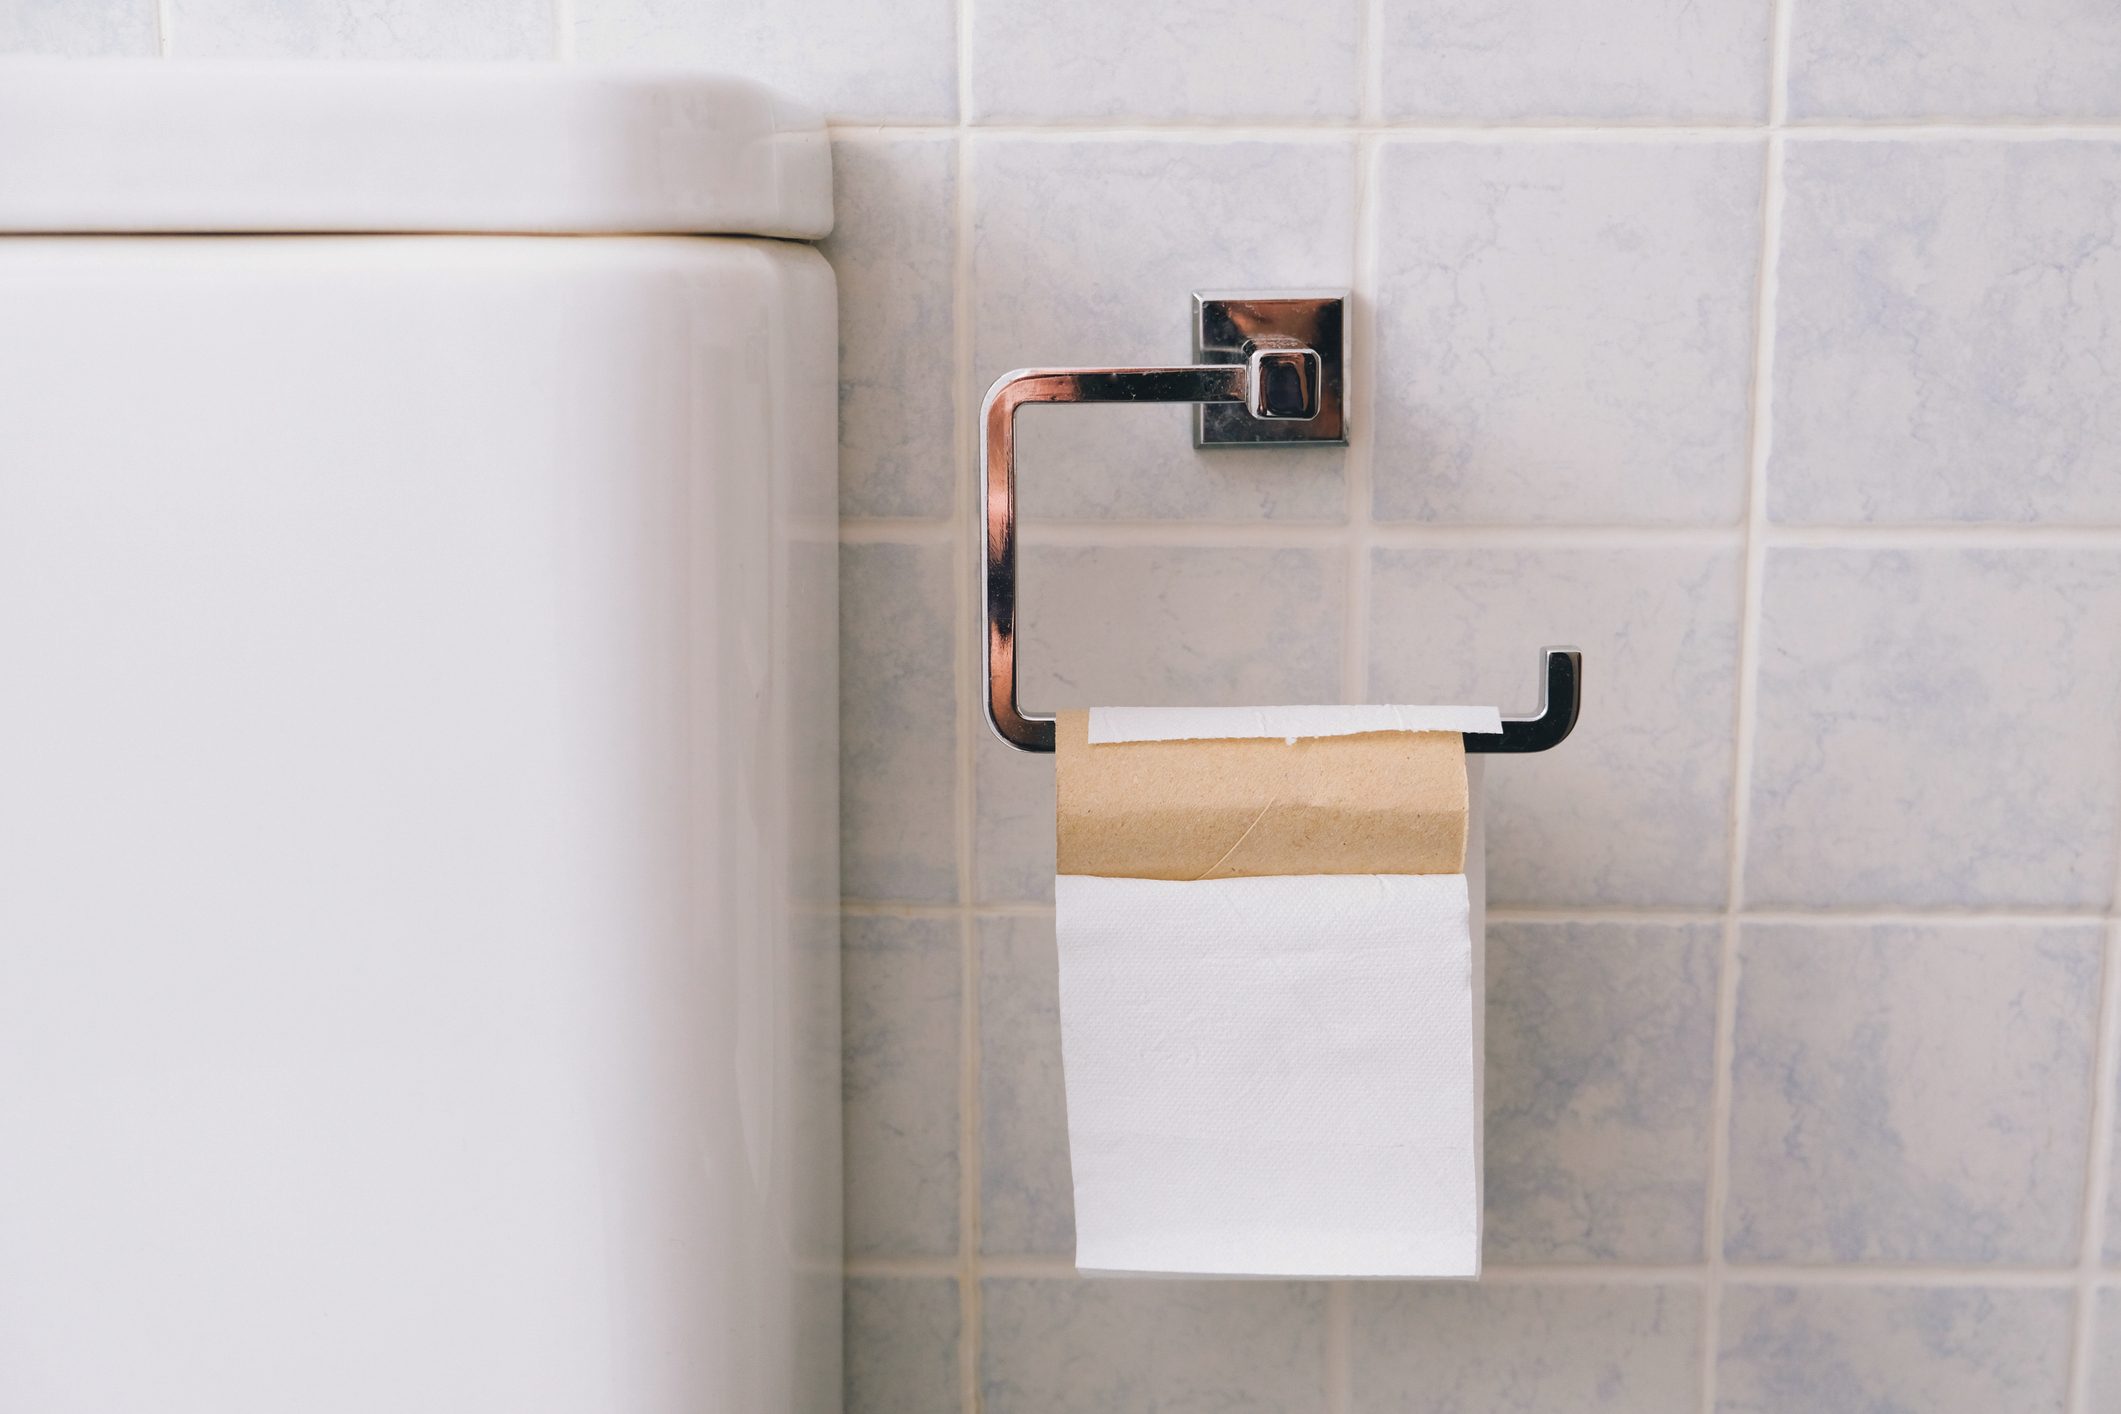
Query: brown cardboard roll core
{"x": 1376, "y": 803}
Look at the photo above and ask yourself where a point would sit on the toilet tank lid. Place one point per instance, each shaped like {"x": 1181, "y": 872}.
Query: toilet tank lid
{"x": 193, "y": 146}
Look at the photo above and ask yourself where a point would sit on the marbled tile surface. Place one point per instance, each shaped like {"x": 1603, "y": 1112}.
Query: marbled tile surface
{"x": 901, "y": 1354}
{"x": 1144, "y": 223}
{"x": 361, "y": 29}
{"x": 1635, "y": 810}
{"x": 1446, "y": 1348}
{"x": 79, "y": 28}
{"x": 1931, "y": 728}
{"x": 1253, "y": 59}
{"x": 1672, "y": 60}
{"x": 893, "y": 247}
{"x": 2106, "y": 1358}
{"x": 1948, "y": 323}
{"x": 900, "y": 1003}
{"x": 1871, "y": 1350}
{"x": 1905, "y": 1094}
{"x": 1600, "y": 1051}
{"x": 1955, "y": 59}
{"x": 1068, "y": 1347}
{"x": 854, "y": 59}
{"x": 898, "y": 700}
{"x": 1148, "y": 626}
{"x": 1565, "y": 330}
{"x": 1027, "y": 1200}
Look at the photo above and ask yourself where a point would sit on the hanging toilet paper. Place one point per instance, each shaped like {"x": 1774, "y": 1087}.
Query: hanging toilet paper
{"x": 1278, "y": 1075}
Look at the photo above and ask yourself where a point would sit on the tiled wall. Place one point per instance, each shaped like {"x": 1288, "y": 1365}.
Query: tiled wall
{"x": 1768, "y": 351}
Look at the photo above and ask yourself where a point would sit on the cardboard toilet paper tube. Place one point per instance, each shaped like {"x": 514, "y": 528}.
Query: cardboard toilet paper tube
{"x": 1377, "y": 803}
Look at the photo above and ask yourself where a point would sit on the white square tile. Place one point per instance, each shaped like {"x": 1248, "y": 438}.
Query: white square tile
{"x": 894, "y": 248}
{"x": 1148, "y": 626}
{"x": 1677, "y": 60}
{"x": 1858, "y": 1350}
{"x": 856, "y": 60}
{"x": 1935, "y": 727}
{"x": 1955, "y": 58}
{"x": 1633, "y": 810}
{"x": 1258, "y": 59}
{"x": 1904, "y": 1094}
{"x": 79, "y": 28}
{"x": 1601, "y": 1060}
{"x": 1069, "y": 1346}
{"x": 1087, "y": 252}
{"x": 1947, "y": 329}
{"x": 901, "y": 1350}
{"x": 2106, "y": 1356}
{"x": 899, "y": 1027}
{"x": 1565, "y": 330}
{"x": 1454, "y": 1349}
{"x": 898, "y": 723}
{"x": 362, "y": 29}
{"x": 1027, "y": 1197}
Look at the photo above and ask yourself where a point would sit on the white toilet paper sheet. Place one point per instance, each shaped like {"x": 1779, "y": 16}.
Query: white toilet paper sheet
{"x": 1120, "y": 724}
{"x": 1273, "y": 1076}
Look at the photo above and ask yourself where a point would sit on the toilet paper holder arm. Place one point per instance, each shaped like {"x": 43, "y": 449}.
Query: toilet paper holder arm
{"x": 1561, "y": 682}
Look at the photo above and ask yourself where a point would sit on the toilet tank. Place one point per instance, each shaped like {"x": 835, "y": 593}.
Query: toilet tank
{"x": 418, "y": 958}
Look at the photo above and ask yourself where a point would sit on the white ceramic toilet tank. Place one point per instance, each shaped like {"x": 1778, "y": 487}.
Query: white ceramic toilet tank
{"x": 418, "y": 959}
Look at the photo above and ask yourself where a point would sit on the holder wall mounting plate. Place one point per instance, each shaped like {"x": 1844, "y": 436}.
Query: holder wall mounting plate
{"x": 1282, "y": 331}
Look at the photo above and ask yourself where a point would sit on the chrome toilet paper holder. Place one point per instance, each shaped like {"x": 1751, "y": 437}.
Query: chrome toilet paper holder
{"x": 1269, "y": 370}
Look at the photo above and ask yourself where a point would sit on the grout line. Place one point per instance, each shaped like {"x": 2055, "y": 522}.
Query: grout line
{"x": 1322, "y": 130}
{"x": 1030, "y": 1266}
{"x": 1778, "y": 94}
{"x": 563, "y": 30}
{"x": 1593, "y": 913}
{"x": 1918, "y": 918}
{"x": 885, "y": 908}
{"x": 968, "y": 1164}
{"x": 970, "y": 713}
{"x": 1712, "y": 1238}
{"x": 1667, "y": 917}
{"x": 2099, "y": 1165}
{"x": 1301, "y": 534}
{"x": 1972, "y": 536}
{"x": 1592, "y": 1274}
{"x": 1995, "y": 1278}
{"x": 907, "y": 1268}
{"x": 1884, "y": 1276}
{"x": 1950, "y": 129}
{"x": 1360, "y": 399}
{"x": 907, "y": 531}
{"x": 1761, "y": 432}
{"x": 2098, "y": 1174}
{"x": 1544, "y": 130}
{"x": 1394, "y": 535}
{"x": 1340, "y": 1347}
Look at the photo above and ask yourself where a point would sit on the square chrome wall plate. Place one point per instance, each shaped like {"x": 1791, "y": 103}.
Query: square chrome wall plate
{"x": 1290, "y": 338}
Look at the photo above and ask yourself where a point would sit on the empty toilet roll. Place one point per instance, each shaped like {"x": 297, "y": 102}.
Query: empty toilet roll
{"x": 1369, "y": 803}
